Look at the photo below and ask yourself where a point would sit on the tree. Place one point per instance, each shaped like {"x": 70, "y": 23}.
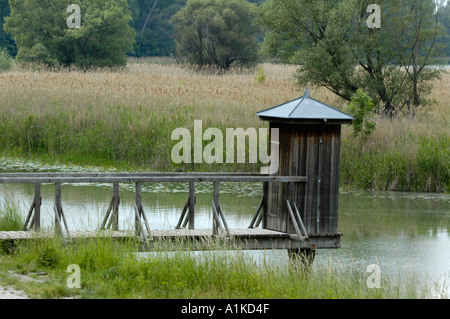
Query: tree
{"x": 41, "y": 33}
{"x": 155, "y": 35}
{"x": 6, "y": 42}
{"x": 216, "y": 32}
{"x": 444, "y": 16}
{"x": 420, "y": 31}
{"x": 334, "y": 47}
{"x": 362, "y": 109}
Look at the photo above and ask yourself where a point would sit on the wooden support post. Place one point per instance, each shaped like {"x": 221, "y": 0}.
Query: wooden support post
{"x": 30, "y": 213}
{"x": 294, "y": 221}
{"x": 116, "y": 202}
{"x": 139, "y": 227}
{"x": 225, "y": 224}
{"x": 139, "y": 213}
{"x": 183, "y": 216}
{"x": 191, "y": 205}
{"x": 300, "y": 221}
{"x": 59, "y": 212}
{"x": 37, "y": 206}
{"x": 58, "y": 206}
{"x": 216, "y": 220}
{"x": 138, "y": 205}
{"x": 257, "y": 215}
{"x": 215, "y": 224}
{"x": 108, "y": 212}
{"x": 265, "y": 205}
{"x": 301, "y": 258}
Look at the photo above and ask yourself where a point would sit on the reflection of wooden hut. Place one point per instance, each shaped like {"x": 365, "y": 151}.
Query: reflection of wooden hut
{"x": 309, "y": 137}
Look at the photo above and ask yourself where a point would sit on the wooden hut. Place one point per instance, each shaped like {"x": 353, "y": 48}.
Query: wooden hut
{"x": 309, "y": 145}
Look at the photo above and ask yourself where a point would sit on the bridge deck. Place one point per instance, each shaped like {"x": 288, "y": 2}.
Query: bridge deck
{"x": 250, "y": 238}
{"x": 167, "y": 233}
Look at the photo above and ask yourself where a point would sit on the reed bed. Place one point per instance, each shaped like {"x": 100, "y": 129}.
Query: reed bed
{"x": 124, "y": 118}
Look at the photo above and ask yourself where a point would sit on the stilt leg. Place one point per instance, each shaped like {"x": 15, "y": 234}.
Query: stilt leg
{"x": 301, "y": 258}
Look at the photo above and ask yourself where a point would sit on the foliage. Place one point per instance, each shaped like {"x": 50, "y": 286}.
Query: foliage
{"x": 362, "y": 109}
{"x": 157, "y": 38}
{"x": 261, "y": 75}
{"x": 42, "y": 36}
{"x": 216, "y": 33}
{"x": 6, "y": 61}
{"x": 444, "y": 18}
{"x": 10, "y": 218}
{"x": 6, "y": 42}
{"x": 112, "y": 270}
{"x": 334, "y": 48}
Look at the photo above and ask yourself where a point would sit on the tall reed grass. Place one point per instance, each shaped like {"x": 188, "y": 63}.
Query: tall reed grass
{"x": 10, "y": 217}
{"x": 125, "y": 118}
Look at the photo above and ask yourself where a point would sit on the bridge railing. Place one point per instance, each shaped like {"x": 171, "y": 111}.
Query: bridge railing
{"x": 111, "y": 218}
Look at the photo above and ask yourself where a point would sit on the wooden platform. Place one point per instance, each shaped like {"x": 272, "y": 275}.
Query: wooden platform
{"x": 253, "y": 237}
{"x": 248, "y": 238}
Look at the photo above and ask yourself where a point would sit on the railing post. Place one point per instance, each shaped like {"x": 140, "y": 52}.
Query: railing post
{"x": 138, "y": 203}
{"x": 37, "y": 206}
{"x": 216, "y": 204}
{"x": 116, "y": 202}
{"x": 58, "y": 205}
{"x": 191, "y": 205}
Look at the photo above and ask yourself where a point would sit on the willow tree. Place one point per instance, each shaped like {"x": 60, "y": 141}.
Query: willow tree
{"x": 335, "y": 47}
{"x": 221, "y": 33}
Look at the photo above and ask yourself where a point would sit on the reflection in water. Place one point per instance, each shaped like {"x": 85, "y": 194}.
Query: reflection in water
{"x": 402, "y": 232}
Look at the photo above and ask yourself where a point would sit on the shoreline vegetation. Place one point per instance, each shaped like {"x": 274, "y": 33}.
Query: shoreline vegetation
{"x": 123, "y": 119}
{"x": 111, "y": 269}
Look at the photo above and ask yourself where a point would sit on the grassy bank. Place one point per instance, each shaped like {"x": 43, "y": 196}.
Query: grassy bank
{"x": 125, "y": 120}
{"x": 111, "y": 269}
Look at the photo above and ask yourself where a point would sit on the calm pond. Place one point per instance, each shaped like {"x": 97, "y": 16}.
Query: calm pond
{"x": 404, "y": 233}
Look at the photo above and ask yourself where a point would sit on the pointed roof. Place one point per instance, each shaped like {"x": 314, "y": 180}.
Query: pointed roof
{"x": 305, "y": 109}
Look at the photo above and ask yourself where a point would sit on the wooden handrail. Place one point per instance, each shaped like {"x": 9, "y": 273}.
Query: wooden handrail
{"x": 45, "y": 178}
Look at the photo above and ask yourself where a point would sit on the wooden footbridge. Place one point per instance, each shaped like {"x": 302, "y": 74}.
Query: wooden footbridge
{"x": 256, "y": 236}
{"x": 298, "y": 210}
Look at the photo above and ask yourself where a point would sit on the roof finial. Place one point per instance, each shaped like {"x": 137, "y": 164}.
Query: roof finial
{"x": 306, "y": 95}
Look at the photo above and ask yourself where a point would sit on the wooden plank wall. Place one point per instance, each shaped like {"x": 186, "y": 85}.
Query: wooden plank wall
{"x": 299, "y": 150}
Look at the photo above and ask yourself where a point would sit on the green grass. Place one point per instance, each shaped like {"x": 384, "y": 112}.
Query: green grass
{"x": 421, "y": 165}
{"x": 213, "y": 268}
{"x": 110, "y": 269}
{"x": 10, "y": 217}
{"x": 115, "y": 137}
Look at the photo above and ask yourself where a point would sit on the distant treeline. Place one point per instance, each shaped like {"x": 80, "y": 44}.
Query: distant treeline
{"x": 154, "y": 31}
{"x": 150, "y": 20}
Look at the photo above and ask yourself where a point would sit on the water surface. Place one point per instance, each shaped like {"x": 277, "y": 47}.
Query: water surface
{"x": 403, "y": 233}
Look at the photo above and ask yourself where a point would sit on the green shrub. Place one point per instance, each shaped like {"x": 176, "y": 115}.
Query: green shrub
{"x": 362, "y": 109}
{"x": 6, "y": 61}
{"x": 261, "y": 75}
{"x": 48, "y": 257}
